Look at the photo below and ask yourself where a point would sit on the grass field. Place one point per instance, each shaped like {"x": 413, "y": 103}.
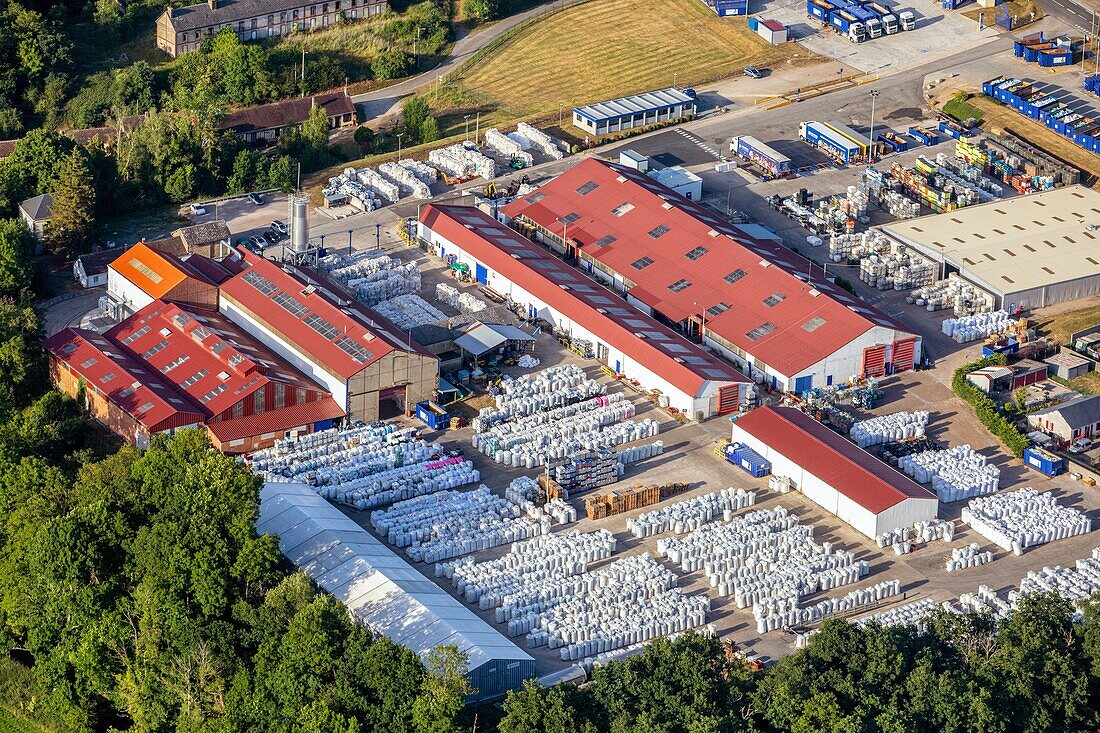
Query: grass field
{"x": 1059, "y": 328}
{"x": 961, "y": 110}
{"x": 600, "y": 50}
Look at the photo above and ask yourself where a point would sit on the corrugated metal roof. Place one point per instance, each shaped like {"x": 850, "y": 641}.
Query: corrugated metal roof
{"x": 1078, "y": 412}
{"x": 204, "y": 355}
{"x": 852, "y": 471}
{"x": 634, "y": 104}
{"x": 336, "y": 337}
{"x": 306, "y": 413}
{"x": 578, "y": 297}
{"x": 648, "y": 220}
{"x": 379, "y": 588}
{"x": 125, "y": 381}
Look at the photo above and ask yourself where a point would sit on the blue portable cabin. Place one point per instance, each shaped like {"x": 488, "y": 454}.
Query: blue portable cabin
{"x": 748, "y": 460}
{"x": 1044, "y": 461}
{"x": 728, "y": 8}
{"x": 832, "y": 143}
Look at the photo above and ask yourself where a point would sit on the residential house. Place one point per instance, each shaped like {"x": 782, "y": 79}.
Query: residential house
{"x": 35, "y": 212}
{"x": 90, "y": 269}
{"x": 1077, "y": 418}
{"x": 264, "y": 123}
{"x": 180, "y": 30}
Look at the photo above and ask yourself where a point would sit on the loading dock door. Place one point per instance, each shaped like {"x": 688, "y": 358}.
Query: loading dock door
{"x": 803, "y": 384}
{"x": 482, "y": 274}
{"x": 874, "y": 361}
{"x": 728, "y": 398}
{"x": 903, "y": 354}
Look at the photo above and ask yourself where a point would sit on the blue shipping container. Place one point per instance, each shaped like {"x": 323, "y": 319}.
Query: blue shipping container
{"x": 754, "y": 463}
{"x": 432, "y": 415}
{"x": 1044, "y": 461}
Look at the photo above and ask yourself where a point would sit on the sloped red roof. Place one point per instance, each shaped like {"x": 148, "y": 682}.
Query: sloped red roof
{"x": 846, "y": 467}
{"x": 126, "y": 382}
{"x": 305, "y": 413}
{"x": 337, "y": 337}
{"x": 619, "y": 215}
{"x": 203, "y": 355}
{"x": 571, "y": 292}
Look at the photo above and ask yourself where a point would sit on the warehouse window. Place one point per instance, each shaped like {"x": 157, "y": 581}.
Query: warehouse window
{"x": 604, "y": 240}
{"x": 258, "y": 401}
{"x": 658, "y": 231}
{"x": 174, "y": 363}
{"x": 292, "y": 306}
{"x": 88, "y": 362}
{"x": 717, "y": 310}
{"x": 642, "y": 263}
{"x": 587, "y": 188}
{"x": 259, "y": 282}
{"x": 569, "y": 218}
{"x": 679, "y": 286}
{"x": 761, "y": 331}
{"x": 813, "y": 324}
{"x": 535, "y": 198}
{"x": 696, "y": 253}
{"x": 280, "y": 395}
{"x": 321, "y": 326}
{"x": 107, "y": 378}
{"x": 774, "y": 299}
{"x": 734, "y": 276}
{"x": 624, "y": 208}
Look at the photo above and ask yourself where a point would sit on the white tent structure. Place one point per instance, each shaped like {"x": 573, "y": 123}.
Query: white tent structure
{"x": 383, "y": 591}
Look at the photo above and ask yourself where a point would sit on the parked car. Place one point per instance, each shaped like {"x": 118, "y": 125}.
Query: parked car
{"x": 691, "y": 93}
{"x": 241, "y": 242}
{"x": 280, "y": 227}
{"x": 256, "y": 243}
{"x": 271, "y": 237}
{"x": 256, "y": 199}
{"x": 198, "y": 209}
{"x": 754, "y": 72}
{"x": 1080, "y": 445}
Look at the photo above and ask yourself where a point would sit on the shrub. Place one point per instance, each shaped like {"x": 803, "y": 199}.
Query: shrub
{"x": 984, "y": 406}
{"x": 393, "y": 63}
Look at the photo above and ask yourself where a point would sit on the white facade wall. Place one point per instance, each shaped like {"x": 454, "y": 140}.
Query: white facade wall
{"x": 902, "y": 514}
{"x": 302, "y": 362}
{"x": 706, "y": 403}
{"x": 123, "y": 291}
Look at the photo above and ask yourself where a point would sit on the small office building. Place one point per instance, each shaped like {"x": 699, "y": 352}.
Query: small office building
{"x": 639, "y": 110}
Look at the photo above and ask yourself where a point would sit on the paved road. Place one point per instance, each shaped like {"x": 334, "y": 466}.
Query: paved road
{"x": 68, "y": 312}
{"x": 379, "y": 102}
{"x": 1071, "y": 12}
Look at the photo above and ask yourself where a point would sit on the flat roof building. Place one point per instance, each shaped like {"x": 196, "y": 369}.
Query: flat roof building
{"x": 637, "y": 110}
{"x": 1029, "y": 252}
{"x": 842, "y": 478}
{"x": 626, "y": 340}
{"x": 736, "y": 284}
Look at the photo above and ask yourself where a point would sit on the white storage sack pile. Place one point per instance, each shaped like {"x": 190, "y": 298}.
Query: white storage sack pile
{"x": 691, "y": 514}
{"x": 956, "y": 473}
{"x": 1024, "y": 518}
{"x": 409, "y": 311}
{"x": 890, "y": 428}
{"x": 971, "y": 328}
{"x": 783, "y": 615}
{"x": 523, "y": 491}
{"x": 970, "y": 556}
{"x": 460, "y": 300}
{"x": 453, "y": 523}
{"x": 540, "y": 140}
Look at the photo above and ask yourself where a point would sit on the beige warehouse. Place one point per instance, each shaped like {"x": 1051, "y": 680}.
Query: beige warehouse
{"x": 1029, "y": 252}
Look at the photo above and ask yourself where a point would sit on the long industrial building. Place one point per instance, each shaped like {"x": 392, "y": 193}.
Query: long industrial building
{"x": 843, "y": 479}
{"x": 383, "y": 592}
{"x": 1028, "y": 252}
{"x": 370, "y": 370}
{"x": 628, "y": 341}
{"x": 754, "y": 300}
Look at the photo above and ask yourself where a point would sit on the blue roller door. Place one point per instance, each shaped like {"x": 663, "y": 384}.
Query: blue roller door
{"x": 803, "y": 384}
{"x": 482, "y": 274}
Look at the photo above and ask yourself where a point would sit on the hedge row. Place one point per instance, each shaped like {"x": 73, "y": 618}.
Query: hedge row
{"x": 984, "y": 406}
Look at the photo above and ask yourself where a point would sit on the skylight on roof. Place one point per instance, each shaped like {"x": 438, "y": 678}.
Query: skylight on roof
{"x": 679, "y": 286}
{"x": 623, "y": 208}
{"x": 323, "y": 327}
{"x": 658, "y": 231}
{"x": 588, "y": 187}
{"x": 291, "y": 305}
{"x": 696, "y": 253}
{"x": 813, "y": 324}
{"x": 761, "y": 331}
{"x": 259, "y": 282}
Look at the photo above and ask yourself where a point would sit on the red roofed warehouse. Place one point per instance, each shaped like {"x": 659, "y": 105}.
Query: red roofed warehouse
{"x": 371, "y": 370}
{"x": 143, "y": 274}
{"x": 167, "y": 368}
{"x": 834, "y": 472}
{"x": 748, "y": 294}
{"x": 626, "y": 340}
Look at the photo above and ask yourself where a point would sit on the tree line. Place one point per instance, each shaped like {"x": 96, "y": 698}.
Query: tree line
{"x": 1037, "y": 672}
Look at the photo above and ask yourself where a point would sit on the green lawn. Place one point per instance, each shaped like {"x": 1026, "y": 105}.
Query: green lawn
{"x": 961, "y": 110}
{"x": 13, "y": 724}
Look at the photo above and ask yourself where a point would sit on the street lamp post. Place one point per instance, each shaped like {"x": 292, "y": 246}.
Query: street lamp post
{"x": 871, "y": 150}
{"x": 399, "y": 136}
{"x": 378, "y": 236}
{"x": 349, "y": 242}
{"x": 561, "y": 106}
{"x": 466, "y": 119}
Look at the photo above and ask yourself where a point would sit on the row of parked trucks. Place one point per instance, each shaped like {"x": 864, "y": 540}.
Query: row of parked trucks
{"x": 860, "y": 21}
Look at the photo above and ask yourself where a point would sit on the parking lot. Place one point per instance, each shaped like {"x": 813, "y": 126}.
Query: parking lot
{"x": 689, "y": 457}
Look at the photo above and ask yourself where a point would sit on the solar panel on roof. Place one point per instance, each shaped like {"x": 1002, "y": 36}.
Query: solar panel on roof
{"x": 354, "y": 350}
{"x": 321, "y": 326}
{"x": 291, "y": 304}
{"x": 259, "y": 282}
